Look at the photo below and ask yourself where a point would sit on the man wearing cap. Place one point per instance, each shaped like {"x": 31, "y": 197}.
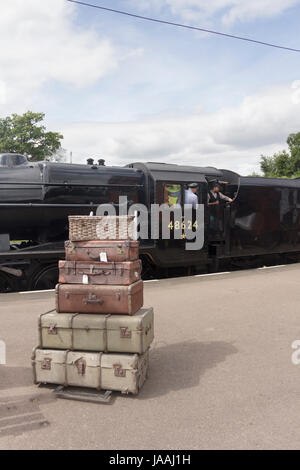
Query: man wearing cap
{"x": 191, "y": 195}
{"x": 214, "y": 196}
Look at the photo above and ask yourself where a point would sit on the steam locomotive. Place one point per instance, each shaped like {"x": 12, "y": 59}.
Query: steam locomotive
{"x": 37, "y": 198}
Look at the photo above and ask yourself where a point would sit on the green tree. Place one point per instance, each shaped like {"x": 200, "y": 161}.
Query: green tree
{"x": 254, "y": 175}
{"x": 26, "y": 134}
{"x": 285, "y": 164}
{"x": 293, "y": 142}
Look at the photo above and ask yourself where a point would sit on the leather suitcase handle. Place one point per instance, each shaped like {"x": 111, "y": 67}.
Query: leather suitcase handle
{"x": 93, "y": 301}
{"x": 95, "y": 273}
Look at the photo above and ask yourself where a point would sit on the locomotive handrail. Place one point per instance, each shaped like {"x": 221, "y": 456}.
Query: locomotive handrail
{"x": 71, "y": 184}
{"x": 29, "y": 204}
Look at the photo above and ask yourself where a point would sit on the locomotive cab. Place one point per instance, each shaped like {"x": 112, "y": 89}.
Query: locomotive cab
{"x": 167, "y": 184}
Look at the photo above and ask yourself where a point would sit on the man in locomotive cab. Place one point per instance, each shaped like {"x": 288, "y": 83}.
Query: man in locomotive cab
{"x": 191, "y": 195}
{"x": 215, "y": 196}
{"x": 214, "y": 199}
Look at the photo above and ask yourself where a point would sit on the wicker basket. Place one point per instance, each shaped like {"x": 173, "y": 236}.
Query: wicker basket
{"x": 86, "y": 228}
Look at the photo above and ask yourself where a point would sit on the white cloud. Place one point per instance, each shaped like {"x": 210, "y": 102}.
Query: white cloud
{"x": 229, "y": 10}
{"x": 3, "y": 93}
{"x": 40, "y": 42}
{"x": 244, "y": 10}
{"x": 232, "y": 138}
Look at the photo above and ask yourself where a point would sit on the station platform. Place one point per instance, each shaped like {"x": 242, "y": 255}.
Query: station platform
{"x": 221, "y": 374}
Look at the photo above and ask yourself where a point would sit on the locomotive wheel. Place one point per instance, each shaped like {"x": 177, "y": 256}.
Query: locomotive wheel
{"x": 148, "y": 269}
{"x": 45, "y": 278}
{"x": 6, "y": 283}
{"x": 246, "y": 263}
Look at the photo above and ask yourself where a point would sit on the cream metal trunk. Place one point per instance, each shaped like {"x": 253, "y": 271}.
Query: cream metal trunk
{"x": 125, "y": 373}
{"x": 108, "y": 333}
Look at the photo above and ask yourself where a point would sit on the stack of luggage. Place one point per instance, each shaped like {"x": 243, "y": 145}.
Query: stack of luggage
{"x": 100, "y": 335}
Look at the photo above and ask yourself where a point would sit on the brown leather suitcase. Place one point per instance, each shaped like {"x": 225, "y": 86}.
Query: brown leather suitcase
{"x": 74, "y": 298}
{"x": 82, "y": 272}
{"x": 102, "y": 250}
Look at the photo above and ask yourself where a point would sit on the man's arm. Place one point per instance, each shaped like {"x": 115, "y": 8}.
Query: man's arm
{"x": 225, "y": 198}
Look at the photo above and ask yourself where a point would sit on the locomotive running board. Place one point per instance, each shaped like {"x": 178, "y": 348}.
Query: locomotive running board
{"x": 61, "y": 392}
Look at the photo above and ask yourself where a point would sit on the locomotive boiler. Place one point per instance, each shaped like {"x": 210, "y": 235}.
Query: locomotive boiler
{"x": 37, "y": 198}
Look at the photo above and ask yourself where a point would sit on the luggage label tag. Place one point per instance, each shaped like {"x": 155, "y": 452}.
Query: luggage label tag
{"x": 85, "y": 279}
{"x": 103, "y": 257}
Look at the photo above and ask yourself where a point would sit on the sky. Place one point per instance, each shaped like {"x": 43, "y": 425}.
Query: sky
{"x": 127, "y": 90}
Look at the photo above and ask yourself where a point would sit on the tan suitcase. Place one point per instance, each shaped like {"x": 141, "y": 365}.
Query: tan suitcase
{"x": 75, "y": 298}
{"x": 102, "y": 250}
{"x": 121, "y": 372}
{"x": 82, "y": 272}
{"x": 108, "y": 333}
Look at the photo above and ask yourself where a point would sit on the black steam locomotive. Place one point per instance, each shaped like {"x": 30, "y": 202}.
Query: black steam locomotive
{"x": 37, "y": 198}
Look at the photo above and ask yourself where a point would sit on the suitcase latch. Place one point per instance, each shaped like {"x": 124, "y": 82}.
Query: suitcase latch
{"x": 71, "y": 247}
{"x": 147, "y": 329}
{"x": 46, "y": 364}
{"x": 52, "y": 329}
{"x": 125, "y": 333}
{"x": 120, "y": 251}
{"x": 119, "y": 372}
{"x": 81, "y": 366}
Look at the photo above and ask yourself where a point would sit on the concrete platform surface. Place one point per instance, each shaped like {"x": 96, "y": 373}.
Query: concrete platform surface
{"x": 221, "y": 373}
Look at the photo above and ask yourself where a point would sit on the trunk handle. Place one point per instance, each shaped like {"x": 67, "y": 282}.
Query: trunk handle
{"x": 93, "y": 301}
{"x": 95, "y": 273}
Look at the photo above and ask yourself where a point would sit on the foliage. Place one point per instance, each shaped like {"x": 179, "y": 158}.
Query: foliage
{"x": 25, "y": 134}
{"x": 285, "y": 164}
